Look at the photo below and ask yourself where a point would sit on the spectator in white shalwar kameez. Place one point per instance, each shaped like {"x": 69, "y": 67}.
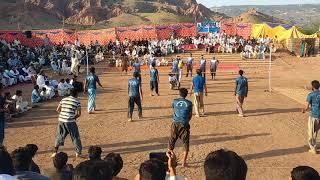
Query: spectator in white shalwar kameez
{"x": 21, "y": 105}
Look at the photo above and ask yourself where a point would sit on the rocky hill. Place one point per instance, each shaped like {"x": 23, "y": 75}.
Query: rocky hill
{"x": 301, "y": 15}
{"x": 254, "y": 16}
{"x": 34, "y": 14}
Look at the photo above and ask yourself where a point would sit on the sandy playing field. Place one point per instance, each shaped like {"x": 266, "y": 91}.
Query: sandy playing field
{"x": 272, "y": 139}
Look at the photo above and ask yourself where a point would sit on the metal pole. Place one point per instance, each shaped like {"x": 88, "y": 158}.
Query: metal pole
{"x": 87, "y": 61}
{"x": 270, "y": 63}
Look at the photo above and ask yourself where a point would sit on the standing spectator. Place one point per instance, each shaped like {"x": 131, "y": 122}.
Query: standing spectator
{"x": 224, "y": 165}
{"x": 21, "y": 161}
{"x": 197, "y": 87}
{"x": 32, "y": 149}
{"x": 189, "y": 65}
{"x": 91, "y": 86}
{"x": 213, "y": 67}
{"x": 154, "y": 79}
{"x": 3, "y": 110}
{"x": 180, "y": 127}
{"x": 135, "y": 95}
{"x": 313, "y": 104}
{"x": 62, "y": 170}
{"x": 69, "y": 111}
{"x": 304, "y": 173}
{"x": 241, "y": 92}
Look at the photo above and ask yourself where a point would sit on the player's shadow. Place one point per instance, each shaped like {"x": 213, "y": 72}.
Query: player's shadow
{"x": 275, "y": 153}
{"x": 160, "y": 144}
{"x": 256, "y": 112}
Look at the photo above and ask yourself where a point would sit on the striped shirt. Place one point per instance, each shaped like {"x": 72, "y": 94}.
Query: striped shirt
{"x": 69, "y": 107}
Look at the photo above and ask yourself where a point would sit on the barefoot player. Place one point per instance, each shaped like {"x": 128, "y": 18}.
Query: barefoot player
{"x": 180, "y": 128}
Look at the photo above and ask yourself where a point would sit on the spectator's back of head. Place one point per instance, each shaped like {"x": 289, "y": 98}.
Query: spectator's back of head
{"x": 199, "y": 72}
{"x": 304, "y": 173}
{"x": 21, "y": 159}
{"x": 92, "y": 70}
{"x": 224, "y": 165}
{"x": 94, "y": 153}
{"x": 73, "y": 92}
{"x": 60, "y": 160}
{"x": 136, "y": 74}
{"x": 183, "y": 92}
{"x": 32, "y": 149}
{"x": 19, "y": 93}
{"x": 92, "y": 170}
{"x": 315, "y": 84}
{"x": 115, "y": 161}
{"x": 241, "y": 72}
{"x": 6, "y": 165}
{"x": 152, "y": 170}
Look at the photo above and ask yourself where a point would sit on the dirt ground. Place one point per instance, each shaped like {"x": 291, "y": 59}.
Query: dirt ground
{"x": 272, "y": 139}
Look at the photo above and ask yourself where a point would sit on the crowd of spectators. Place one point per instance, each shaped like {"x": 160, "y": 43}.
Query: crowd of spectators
{"x": 218, "y": 165}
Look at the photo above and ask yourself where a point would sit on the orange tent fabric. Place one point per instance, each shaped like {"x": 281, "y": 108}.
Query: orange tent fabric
{"x": 103, "y": 36}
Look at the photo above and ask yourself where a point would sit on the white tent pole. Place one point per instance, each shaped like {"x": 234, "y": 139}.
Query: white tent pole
{"x": 270, "y": 63}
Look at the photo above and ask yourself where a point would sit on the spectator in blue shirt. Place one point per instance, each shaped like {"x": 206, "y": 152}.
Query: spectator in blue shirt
{"x": 180, "y": 128}
{"x": 35, "y": 96}
{"x": 241, "y": 92}
{"x": 154, "y": 79}
{"x": 198, "y": 87}
{"x": 313, "y": 104}
{"x": 135, "y": 95}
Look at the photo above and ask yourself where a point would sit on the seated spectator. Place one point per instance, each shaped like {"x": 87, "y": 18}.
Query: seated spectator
{"x": 94, "y": 153}
{"x": 224, "y": 165}
{"x": 10, "y": 104}
{"x": 92, "y": 170}
{"x": 116, "y": 163}
{"x": 32, "y": 149}
{"x": 65, "y": 68}
{"x": 304, "y": 173}
{"x": 21, "y": 106}
{"x": 43, "y": 94}
{"x": 62, "y": 88}
{"x": 152, "y": 170}
{"x": 41, "y": 79}
{"x": 8, "y": 80}
{"x": 6, "y": 165}
{"x": 25, "y": 77}
{"x": 21, "y": 162}
{"x": 35, "y": 96}
{"x": 50, "y": 93}
{"x": 55, "y": 67}
{"x": 68, "y": 84}
{"x": 78, "y": 86}
{"x": 62, "y": 170}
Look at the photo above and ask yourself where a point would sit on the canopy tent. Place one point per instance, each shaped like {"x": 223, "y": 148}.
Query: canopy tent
{"x": 282, "y": 32}
{"x": 294, "y": 33}
{"x": 208, "y": 27}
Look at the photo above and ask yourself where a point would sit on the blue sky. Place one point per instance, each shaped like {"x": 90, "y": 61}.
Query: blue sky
{"x": 211, "y": 3}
